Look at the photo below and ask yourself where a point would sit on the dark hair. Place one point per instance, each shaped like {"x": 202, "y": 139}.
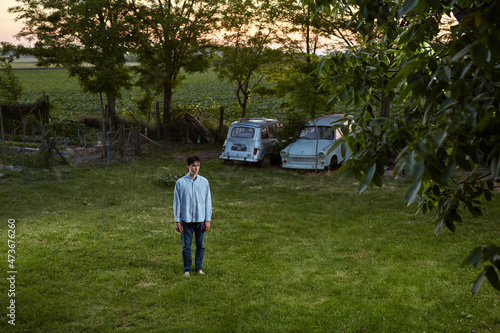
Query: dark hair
{"x": 191, "y": 159}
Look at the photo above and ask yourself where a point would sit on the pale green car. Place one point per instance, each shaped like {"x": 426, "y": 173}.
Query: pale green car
{"x": 310, "y": 151}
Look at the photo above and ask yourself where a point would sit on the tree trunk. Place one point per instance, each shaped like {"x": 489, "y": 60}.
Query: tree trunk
{"x": 244, "y": 106}
{"x": 385, "y": 107}
{"x": 158, "y": 120}
{"x": 167, "y": 102}
{"x": 111, "y": 99}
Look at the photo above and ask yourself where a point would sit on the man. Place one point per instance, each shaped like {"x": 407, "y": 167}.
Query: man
{"x": 192, "y": 213}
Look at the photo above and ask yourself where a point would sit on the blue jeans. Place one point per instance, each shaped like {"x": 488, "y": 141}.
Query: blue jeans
{"x": 187, "y": 239}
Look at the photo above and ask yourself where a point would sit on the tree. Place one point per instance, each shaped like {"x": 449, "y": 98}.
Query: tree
{"x": 172, "y": 36}
{"x": 245, "y": 48}
{"x": 304, "y": 33}
{"x": 10, "y": 86}
{"x": 89, "y": 38}
{"x": 446, "y": 82}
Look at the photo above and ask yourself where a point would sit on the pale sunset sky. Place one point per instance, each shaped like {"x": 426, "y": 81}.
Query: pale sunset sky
{"x": 8, "y": 27}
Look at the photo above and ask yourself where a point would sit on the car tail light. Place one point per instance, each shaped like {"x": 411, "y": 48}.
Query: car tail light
{"x": 223, "y": 148}
{"x": 255, "y": 150}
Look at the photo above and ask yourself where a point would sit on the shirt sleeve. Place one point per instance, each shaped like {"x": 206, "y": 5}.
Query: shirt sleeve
{"x": 208, "y": 204}
{"x": 177, "y": 203}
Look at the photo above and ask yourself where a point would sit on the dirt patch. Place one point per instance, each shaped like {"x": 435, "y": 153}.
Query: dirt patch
{"x": 206, "y": 155}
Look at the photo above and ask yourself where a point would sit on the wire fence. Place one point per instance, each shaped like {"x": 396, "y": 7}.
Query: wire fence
{"x": 45, "y": 151}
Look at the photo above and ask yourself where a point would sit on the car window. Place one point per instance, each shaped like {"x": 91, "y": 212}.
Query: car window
{"x": 264, "y": 133}
{"x": 313, "y": 133}
{"x": 242, "y": 132}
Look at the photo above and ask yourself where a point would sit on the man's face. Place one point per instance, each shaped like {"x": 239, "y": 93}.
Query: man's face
{"x": 194, "y": 168}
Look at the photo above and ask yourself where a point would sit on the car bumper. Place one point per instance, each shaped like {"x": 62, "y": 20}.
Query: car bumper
{"x": 239, "y": 158}
{"x": 304, "y": 163}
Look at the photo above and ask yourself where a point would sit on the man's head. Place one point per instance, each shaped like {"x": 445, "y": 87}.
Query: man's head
{"x": 193, "y": 165}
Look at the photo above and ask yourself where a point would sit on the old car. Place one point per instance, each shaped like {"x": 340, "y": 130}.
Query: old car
{"x": 251, "y": 140}
{"x": 311, "y": 149}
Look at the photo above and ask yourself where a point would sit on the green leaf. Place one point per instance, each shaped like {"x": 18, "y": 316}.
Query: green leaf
{"x": 487, "y": 195}
{"x": 450, "y": 169}
{"x": 475, "y": 211}
{"x": 449, "y": 223}
{"x": 412, "y": 193}
{"x": 403, "y": 95}
{"x": 362, "y": 187}
{"x": 377, "y": 180}
{"x": 480, "y": 54}
{"x": 400, "y": 76}
{"x": 370, "y": 173}
{"x": 407, "y": 7}
{"x": 478, "y": 283}
{"x": 492, "y": 276}
{"x": 461, "y": 53}
{"x": 474, "y": 258}
{"x": 439, "y": 227}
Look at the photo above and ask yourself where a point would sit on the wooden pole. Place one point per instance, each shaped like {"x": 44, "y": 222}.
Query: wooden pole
{"x": 45, "y": 152}
{"x": 137, "y": 137}
{"x": 121, "y": 139}
{"x": 158, "y": 121}
{"x": 155, "y": 143}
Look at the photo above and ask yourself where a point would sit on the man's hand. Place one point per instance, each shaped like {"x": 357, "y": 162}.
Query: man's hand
{"x": 206, "y": 226}
{"x": 178, "y": 227}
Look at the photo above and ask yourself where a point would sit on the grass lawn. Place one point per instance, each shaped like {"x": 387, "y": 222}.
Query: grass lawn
{"x": 287, "y": 252}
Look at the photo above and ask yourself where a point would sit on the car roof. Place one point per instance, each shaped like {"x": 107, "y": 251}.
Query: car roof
{"x": 325, "y": 120}
{"x": 256, "y": 122}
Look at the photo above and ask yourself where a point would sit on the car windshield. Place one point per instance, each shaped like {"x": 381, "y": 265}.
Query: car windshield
{"x": 318, "y": 132}
{"x": 242, "y": 132}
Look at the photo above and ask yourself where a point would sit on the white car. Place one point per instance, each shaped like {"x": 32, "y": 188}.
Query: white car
{"x": 251, "y": 140}
{"x": 310, "y": 151}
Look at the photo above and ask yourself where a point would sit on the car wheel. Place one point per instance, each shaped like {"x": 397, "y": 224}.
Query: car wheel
{"x": 266, "y": 161}
{"x": 334, "y": 164}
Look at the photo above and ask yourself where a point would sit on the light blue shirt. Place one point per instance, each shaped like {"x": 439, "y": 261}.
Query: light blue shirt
{"x": 192, "y": 200}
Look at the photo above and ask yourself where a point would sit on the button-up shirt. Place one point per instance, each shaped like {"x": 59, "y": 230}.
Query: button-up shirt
{"x": 192, "y": 200}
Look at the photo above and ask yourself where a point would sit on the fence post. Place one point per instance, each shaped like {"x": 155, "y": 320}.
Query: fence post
{"x": 121, "y": 139}
{"x": 137, "y": 136}
{"x": 45, "y": 151}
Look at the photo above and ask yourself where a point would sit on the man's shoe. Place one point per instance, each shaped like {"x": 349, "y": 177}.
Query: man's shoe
{"x": 201, "y": 272}
{"x": 186, "y": 274}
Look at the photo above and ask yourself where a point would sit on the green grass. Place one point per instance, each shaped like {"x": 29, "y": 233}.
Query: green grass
{"x": 287, "y": 252}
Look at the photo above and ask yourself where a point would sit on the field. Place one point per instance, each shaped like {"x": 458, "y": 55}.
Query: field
{"x": 201, "y": 90}
{"x": 95, "y": 248}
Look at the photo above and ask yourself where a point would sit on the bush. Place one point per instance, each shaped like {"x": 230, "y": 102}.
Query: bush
{"x": 292, "y": 124}
{"x": 166, "y": 178}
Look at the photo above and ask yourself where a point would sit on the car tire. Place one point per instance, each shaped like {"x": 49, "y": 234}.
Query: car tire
{"x": 334, "y": 164}
{"x": 266, "y": 161}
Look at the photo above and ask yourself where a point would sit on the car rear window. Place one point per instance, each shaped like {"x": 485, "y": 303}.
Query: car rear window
{"x": 242, "y": 132}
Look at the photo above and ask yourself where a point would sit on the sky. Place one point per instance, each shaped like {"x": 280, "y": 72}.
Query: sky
{"x": 8, "y": 26}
